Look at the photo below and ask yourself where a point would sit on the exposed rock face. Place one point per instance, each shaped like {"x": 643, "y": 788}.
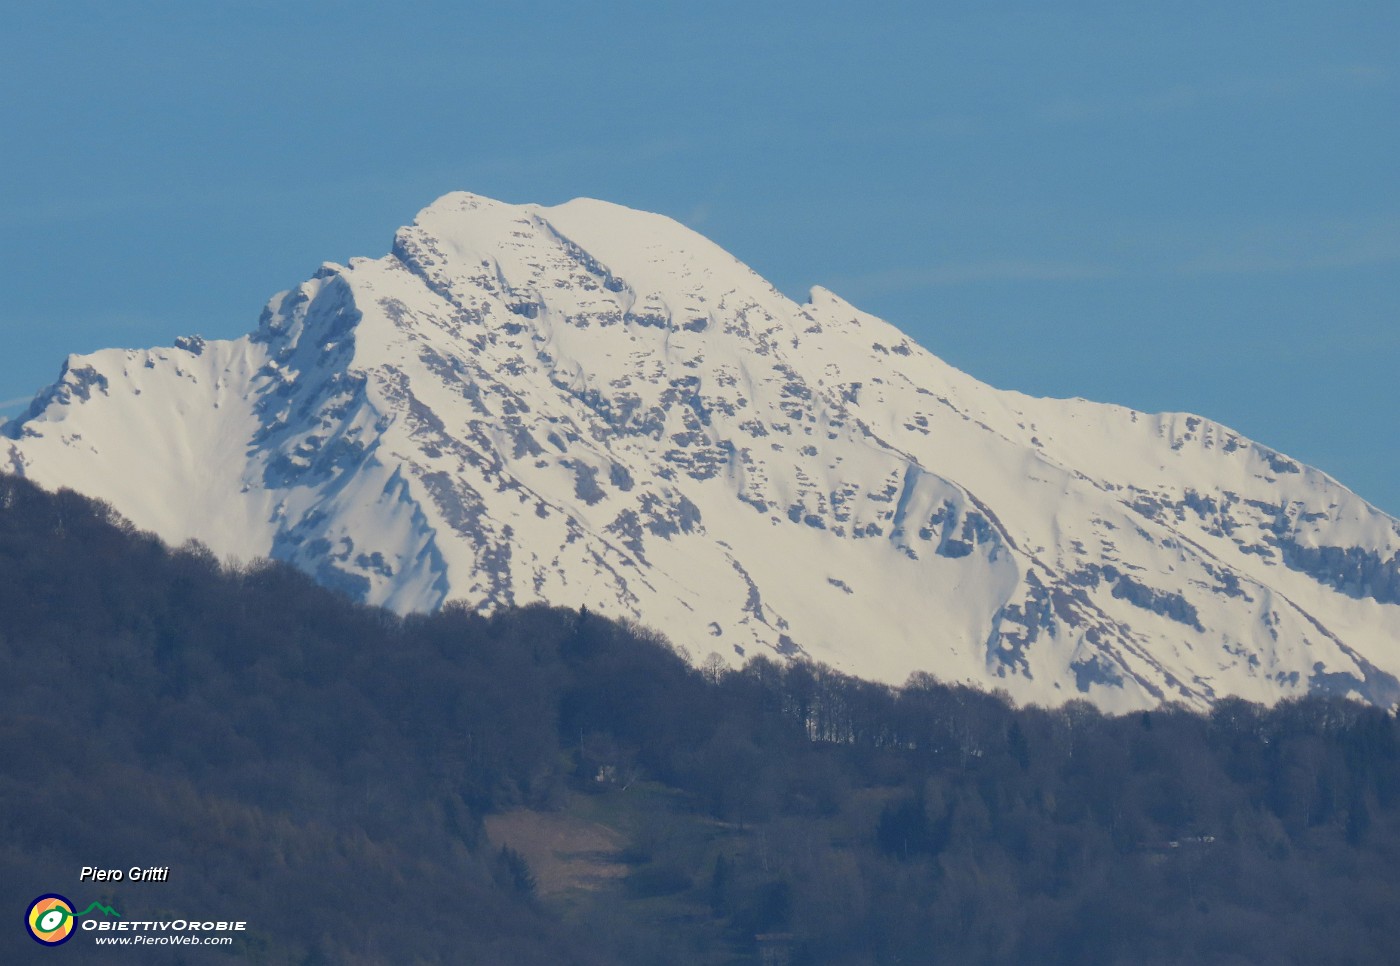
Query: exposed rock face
{"x": 592, "y": 405}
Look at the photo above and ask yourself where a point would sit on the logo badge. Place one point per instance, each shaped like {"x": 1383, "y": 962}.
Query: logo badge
{"x": 50, "y": 919}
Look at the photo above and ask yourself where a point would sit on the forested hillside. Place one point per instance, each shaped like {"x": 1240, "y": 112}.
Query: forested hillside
{"x": 322, "y": 770}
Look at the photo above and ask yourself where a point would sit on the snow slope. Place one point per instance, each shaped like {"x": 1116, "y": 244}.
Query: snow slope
{"x": 587, "y": 404}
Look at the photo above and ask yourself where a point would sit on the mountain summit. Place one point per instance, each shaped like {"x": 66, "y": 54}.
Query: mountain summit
{"x": 590, "y": 405}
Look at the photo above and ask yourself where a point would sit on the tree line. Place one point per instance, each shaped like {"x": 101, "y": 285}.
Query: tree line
{"x": 322, "y": 769}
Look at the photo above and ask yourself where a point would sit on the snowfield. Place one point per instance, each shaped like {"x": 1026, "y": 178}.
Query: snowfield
{"x": 589, "y": 405}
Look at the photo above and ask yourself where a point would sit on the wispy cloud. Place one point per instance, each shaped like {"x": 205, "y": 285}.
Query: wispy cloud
{"x": 1261, "y": 249}
{"x": 1341, "y": 243}
{"x": 14, "y": 403}
{"x": 971, "y": 273}
{"x": 440, "y": 178}
{"x": 1183, "y": 98}
{"x": 568, "y": 157}
{"x": 930, "y": 126}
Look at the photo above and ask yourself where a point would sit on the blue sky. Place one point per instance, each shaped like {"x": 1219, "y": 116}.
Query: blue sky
{"x": 1188, "y": 206}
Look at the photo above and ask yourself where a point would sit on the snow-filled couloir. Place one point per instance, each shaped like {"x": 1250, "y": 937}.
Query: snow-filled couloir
{"x": 589, "y": 405}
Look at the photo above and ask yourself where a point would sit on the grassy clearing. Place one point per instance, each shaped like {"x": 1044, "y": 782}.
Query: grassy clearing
{"x": 618, "y": 859}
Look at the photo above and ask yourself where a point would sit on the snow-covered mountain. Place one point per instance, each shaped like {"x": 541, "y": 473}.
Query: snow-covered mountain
{"x": 591, "y": 405}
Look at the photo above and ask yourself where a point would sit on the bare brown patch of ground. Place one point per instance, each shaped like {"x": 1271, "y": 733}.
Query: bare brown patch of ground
{"x": 565, "y": 853}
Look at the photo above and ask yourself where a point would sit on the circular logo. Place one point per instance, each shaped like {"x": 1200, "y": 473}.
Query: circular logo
{"x": 50, "y": 919}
